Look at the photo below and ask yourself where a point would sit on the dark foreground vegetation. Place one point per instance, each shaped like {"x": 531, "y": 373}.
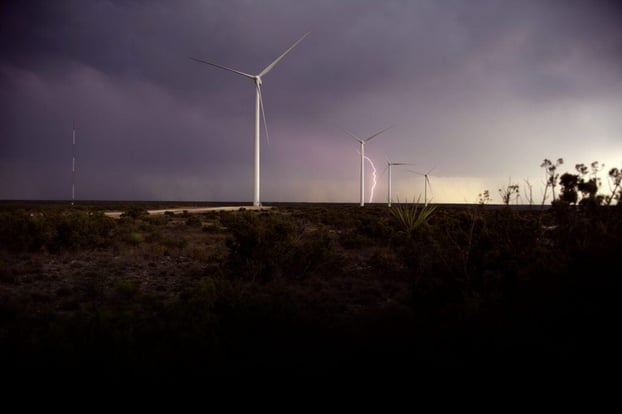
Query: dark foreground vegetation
{"x": 307, "y": 290}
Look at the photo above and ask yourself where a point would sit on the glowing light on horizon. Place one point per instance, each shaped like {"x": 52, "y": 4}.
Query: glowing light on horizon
{"x": 374, "y": 178}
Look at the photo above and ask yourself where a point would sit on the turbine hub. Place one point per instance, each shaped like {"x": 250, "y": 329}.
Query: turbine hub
{"x": 258, "y": 80}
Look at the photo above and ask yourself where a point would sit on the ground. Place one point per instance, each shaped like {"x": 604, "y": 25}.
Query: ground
{"x": 303, "y": 290}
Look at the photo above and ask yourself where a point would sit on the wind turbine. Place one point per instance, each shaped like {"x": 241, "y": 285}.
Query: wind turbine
{"x": 389, "y": 165}
{"x": 362, "y": 142}
{"x": 426, "y": 183}
{"x": 258, "y": 107}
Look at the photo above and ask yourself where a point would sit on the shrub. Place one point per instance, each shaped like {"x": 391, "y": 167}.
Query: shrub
{"x": 55, "y": 230}
{"x": 23, "y": 231}
{"x": 411, "y": 216}
{"x": 80, "y": 230}
{"x": 135, "y": 212}
{"x": 266, "y": 247}
{"x": 193, "y": 221}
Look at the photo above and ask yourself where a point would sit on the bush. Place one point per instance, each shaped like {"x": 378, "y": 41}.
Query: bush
{"x": 135, "y": 212}
{"x": 266, "y": 247}
{"x": 54, "y": 230}
{"x": 193, "y": 221}
{"x": 23, "y": 231}
{"x": 81, "y": 231}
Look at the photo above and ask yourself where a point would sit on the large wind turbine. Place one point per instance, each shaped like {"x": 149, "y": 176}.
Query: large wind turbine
{"x": 426, "y": 183}
{"x": 258, "y": 108}
{"x": 362, "y": 142}
{"x": 389, "y": 165}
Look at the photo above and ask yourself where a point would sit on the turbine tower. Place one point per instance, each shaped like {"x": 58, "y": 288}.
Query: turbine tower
{"x": 73, "y": 166}
{"x": 389, "y": 165}
{"x": 362, "y": 142}
{"x": 258, "y": 107}
{"x": 426, "y": 183}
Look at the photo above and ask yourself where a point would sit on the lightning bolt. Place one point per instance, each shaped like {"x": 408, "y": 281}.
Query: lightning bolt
{"x": 374, "y": 178}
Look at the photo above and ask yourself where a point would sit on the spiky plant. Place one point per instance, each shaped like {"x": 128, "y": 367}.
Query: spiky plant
{"x": 411, "y": 216}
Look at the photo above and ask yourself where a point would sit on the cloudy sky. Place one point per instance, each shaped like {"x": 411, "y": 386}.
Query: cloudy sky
{"x": 482, "y": 90}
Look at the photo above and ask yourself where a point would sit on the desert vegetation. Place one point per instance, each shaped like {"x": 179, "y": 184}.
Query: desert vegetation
{"x": 309, "y": 289}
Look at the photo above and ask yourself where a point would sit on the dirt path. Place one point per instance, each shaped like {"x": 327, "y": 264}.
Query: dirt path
{"x": 117, "y": 214}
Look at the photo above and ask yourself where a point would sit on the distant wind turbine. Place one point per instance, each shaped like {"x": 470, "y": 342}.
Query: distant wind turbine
{"x": 426, "y": 182}
{"x": 258, "y": 108}
{"x": 389, "y": 165}
{"x": 362, "y": 142}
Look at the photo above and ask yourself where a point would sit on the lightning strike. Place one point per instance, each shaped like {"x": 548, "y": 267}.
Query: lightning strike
{"x": 374, "y": 179}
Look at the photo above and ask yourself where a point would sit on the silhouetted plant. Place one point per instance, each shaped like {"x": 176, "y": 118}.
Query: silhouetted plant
{"x": 569, "y": 183}
{"x": 589, "y": 187}
{"x": 551, "y": 175}
{"x": 483, "y": 198}
{"x": 575, "y": 184}
{"x": 509, "y": 191}
{"x": 615, "y": 177}
{"x": 411, "y": 216}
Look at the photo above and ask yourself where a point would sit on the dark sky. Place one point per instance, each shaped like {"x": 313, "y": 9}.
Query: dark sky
{"x": 484, "y": 90}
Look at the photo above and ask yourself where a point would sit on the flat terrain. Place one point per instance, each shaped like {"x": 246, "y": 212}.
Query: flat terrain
{"x": 303, "y": 290}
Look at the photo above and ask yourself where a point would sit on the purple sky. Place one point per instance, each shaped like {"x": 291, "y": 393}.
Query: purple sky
{"x": 483, "y": 90}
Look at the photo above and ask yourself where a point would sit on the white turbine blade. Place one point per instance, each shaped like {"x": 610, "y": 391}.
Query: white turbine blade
{"x": 277, "y": 60}
{"x": 429, "y": 184}
{"x": 384, "y": 171}
{"x": 430, "y": 170}
{"x": 352, "y": 135}
{"x": 223, "y": 67}
{"x": 415, "y": 172}
{"x": 263, "y": 114}
{"x": 378, "y": 133}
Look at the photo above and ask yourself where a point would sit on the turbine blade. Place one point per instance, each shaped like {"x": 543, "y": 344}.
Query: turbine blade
{"x": 223, "y": 67}
{"x": 429, "y": 183}
{"x": 415, "y": 172}
{"x": 401, "y": 163}
{"x": 384, "y": 171}
{"x": 351, "y": 134}
{"x": 277, "y": 60}
{"x": 263, "y": 114}
{"x": 430, "y": 170}
{"x": 378, "y": 133}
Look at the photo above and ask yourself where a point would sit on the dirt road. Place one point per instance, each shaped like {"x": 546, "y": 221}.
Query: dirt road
{"x": 117, "y": 214}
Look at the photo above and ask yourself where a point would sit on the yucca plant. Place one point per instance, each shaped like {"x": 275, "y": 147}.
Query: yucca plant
{"x": 410, "y": 216}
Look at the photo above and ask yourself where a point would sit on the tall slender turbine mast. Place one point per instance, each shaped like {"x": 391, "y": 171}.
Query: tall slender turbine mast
{"x": 362, "y": 142}
{"x": 389, "y": 165}
{"x": 258, "y": 108}
{"x": 73, "y": 166}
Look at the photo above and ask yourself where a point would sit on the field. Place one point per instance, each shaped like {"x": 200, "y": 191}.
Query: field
{"x": 305, "y": 290}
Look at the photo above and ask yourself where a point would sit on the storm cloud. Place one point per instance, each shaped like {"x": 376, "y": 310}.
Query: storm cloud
{"x": 483, "y": 90}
